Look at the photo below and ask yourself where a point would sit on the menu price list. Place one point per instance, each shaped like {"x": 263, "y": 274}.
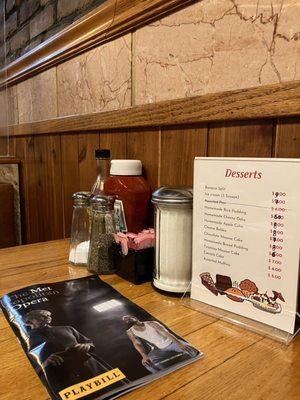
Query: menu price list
{"x": 276, "y": 247}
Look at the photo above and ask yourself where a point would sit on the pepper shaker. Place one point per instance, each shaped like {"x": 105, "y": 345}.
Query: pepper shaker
{"x": 103, "y": 228}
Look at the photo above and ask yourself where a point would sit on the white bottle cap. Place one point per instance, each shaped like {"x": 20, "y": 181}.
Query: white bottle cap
{"x": 126, "y": 167}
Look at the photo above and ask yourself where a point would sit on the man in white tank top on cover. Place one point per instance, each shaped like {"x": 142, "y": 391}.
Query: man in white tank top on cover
{"x": 157, "y": 346}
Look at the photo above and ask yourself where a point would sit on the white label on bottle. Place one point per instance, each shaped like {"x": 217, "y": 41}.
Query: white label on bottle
{"x": 120, "y": 217}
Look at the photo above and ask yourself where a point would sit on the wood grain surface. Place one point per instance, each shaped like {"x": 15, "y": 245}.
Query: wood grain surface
{"x": 49, "y": 195}
{"x": 241, "y": 139}
{"x": 144, "y": 145}
{"x": 238, "y": 364}
{"x": 179, "y": 147}
{"x": 78, "y": 169}
{"x": 55, "y": 166}
{"x": 278, "y": 100}
{"x": 288, "y": 138}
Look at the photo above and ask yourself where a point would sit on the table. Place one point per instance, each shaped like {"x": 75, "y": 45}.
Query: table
{"x": 238, "y": 364}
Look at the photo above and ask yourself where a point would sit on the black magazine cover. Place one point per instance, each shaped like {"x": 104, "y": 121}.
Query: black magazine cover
{"x": 85, "y": 340}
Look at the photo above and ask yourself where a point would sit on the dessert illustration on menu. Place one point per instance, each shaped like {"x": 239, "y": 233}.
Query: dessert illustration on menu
{"x": 245, "y": 291}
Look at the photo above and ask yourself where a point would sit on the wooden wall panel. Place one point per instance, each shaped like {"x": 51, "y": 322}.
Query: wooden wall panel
{"x": 287, "y": 142}
{"x": 179, "y": 147}
{"x": 70, "y": 177}
{"x": 28, "y": 191}
{"x": 78, "y": 169}
{"x": 115, "y": 141}
{"x": 241, "y": 139}
{"x": 87, "y": 144}
{"x": 4, "y": 146}
{"x": 49, "y": 200}
{"x": 144, "y": 145}
{"x": 54, "y": 167}
{"x": 7, "y": 146}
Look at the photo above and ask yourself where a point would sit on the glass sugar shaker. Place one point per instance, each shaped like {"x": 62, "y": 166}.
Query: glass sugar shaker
{"x": 173, "y": 238}
{"x": 80, "y": 229}
{"x": 100, "y": 260}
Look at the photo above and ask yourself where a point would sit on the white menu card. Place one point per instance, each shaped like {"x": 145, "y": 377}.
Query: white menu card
{"x": 246, "y": 236}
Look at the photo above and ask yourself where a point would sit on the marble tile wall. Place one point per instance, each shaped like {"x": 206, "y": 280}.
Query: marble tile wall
{"x": 218, "y": 45}
{"x": 98, "y": 80}
{"x": 210, "y": 46}
{"x": 9, "y": 106}
{"x": 37, "y": 97}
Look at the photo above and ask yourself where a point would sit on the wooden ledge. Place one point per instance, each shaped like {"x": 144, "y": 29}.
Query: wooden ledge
{"x": 9, "y": 160}
{"x": 111, "y": 19}
{"x": 279, "y": 100}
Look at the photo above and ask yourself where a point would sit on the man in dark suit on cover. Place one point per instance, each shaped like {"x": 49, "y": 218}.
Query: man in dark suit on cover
{"x": 62, "y": 353}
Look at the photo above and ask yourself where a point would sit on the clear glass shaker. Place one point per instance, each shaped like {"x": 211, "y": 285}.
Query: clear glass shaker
{"x": 100, "y": 259}
{"x": 173, "y": 238}
{"x": 80, "y": 230}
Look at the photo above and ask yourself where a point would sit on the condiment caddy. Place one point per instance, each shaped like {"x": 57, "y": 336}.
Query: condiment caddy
{"x": 118, "y": 202}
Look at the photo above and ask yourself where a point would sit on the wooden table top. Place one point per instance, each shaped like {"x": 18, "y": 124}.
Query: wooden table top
{"x": 238, "y": 364}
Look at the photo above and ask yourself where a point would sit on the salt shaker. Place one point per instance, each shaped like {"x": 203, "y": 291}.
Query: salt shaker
{"x": 80, "y": 229}
{"x": 100, "y": 260}
{"x": 173, "y": 243}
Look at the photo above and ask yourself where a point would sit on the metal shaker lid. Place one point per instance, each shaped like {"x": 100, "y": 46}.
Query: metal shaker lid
{"x": 103, "y": 202}
{"x": 173, "y": 195}
{"x": 81, "y": 198}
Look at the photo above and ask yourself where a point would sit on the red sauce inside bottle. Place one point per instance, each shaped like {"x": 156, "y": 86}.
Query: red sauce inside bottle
{"x": 135, "y": 193}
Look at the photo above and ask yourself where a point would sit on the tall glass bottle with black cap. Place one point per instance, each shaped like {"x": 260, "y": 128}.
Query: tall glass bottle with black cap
{"x": 103, "y": 168}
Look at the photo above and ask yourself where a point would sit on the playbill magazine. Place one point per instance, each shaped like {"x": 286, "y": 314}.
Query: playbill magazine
{"x": 85, "y": 340}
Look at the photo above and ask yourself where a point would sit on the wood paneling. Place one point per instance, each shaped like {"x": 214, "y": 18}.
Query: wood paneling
{"x": 4, "y": 149}
{"x": 179, "y": 147}
{"x": 144, "y": 145}
{"x": 87, "y": 144}
{"x": 78, "y": 169}
{"x": 287, "y": 142}
{"x": 241, "y": 139}
{"x": 28, "y": 189}
{"x": 49, "y": 201}
{"x": 54, "y": 167}
{"x": 70, "y": 177}
{"x": 282, "y": 99}
{"x": 115, "y": 141}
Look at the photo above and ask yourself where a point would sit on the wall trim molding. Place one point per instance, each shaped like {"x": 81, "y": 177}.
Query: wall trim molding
{"x": 104, "y": 23}
{"x": 272, "y": 101}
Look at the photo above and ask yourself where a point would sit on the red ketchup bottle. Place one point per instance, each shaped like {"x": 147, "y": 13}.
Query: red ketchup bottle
{"x": 132, "y": 193}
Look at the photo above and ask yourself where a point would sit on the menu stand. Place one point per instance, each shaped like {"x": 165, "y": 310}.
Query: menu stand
{"x": 241, "y": 321}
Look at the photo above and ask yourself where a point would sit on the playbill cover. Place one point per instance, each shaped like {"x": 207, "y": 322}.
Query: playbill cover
{"x": 86, "y": 340}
